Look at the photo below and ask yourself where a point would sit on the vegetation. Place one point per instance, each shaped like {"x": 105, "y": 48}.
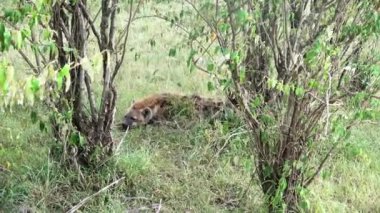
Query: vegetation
{"x": 292, "y": 69}
{"x": 202, "y": 168}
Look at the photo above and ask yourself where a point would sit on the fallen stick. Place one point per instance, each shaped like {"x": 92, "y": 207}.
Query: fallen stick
{"x": 84, "y": 201}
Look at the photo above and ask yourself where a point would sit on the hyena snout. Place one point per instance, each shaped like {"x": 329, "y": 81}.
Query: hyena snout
{"x": 135, "y": 117}
{"x": 127, "y": 123}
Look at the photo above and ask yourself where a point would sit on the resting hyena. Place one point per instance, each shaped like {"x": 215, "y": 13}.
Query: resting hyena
{"x": 163, "y": 107}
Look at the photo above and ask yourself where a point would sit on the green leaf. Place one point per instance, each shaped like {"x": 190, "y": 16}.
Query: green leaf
{"x": 33, "y": 20}
{"x": 267, "y": 119}
{"x": 224, "y": 27}
{"x": 33, "y": 117}
{"x": 76, "y": 139}
{"x": 242, "y": 75}
{"x": 242, "y": 16}
{"x": 299, "y": 91}
{"x": 210, "y": 67}
{"x": 2, "y": 30}
{"x": 268, "y": 170}
{"x": 152, "y": 42}
{"x": 35, "y": 85}
{"x": 272, "y": 82}
{"x": 286, "y": 89}
{"x": 217, "y": 49}
{"x": 210, "y": 86}
{"x": 313, "y": 84}
{"x": 280, "y": 86}
{"x": 172, "y": 52}
{"x": 311, "y": 55}
{"x": 235, "y": 57}
{"x": 325, "y": 174}
{"x": 256, "y": 102}
{"x": 42, "y": 126}
{"x": 375, "y": 70}
{"x": 189, "y": 61}
{"x": 18, "y": 40}
{"x": 7, "y": 40}
{"x": 59, "y": 82}
{"x": 305, "y": 204}
{"x": 46, "y": 34}
{"x": 283, "y": 184}
{"x": 137, "y": 56}
{"x": 191, "y": 67}
{"x": 29, "y": 95}
{"x": 3, "y": 77}
{"x": 65, "y": 71}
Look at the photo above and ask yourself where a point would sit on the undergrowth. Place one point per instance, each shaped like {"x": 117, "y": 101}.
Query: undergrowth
{"x": 202, "y": 168}
{"x": 205, "y": 168}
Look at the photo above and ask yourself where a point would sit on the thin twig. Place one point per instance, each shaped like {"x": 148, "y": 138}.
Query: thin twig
{"x": 66, "y": 32}
{"x": 26, "y": 59}
{"x": 90, "y": 96}
{"x": 132, "y": 15}
{"x": 327, "y": 102}
{"x": 90, "y": 21}
{"x": 159, "y": 207}
{"x": 121, "y": 141}
{"x": 85, "y": 200}
{"x": 225, "y": 144}
{"x": 36, "y": 55}
{"x": 200, "y": 15}
{"x": 312, "y": 177}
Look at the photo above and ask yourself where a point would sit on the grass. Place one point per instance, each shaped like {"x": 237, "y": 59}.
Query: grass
{"x": 180, "y": 168}
{"x": 352, "y": 179}
{"x": 203, "y": 168}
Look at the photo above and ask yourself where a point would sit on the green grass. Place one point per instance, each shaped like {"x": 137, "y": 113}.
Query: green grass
{"x": 352, "y": 181}
{"x": 180, "y": 168}
{"x": 203, "y": 168}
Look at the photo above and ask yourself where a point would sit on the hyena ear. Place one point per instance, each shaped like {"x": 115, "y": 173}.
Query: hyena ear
{"x": 147, "y": 113}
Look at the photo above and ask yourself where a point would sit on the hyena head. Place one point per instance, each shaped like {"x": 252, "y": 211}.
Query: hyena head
{"x": 136, "y": 117}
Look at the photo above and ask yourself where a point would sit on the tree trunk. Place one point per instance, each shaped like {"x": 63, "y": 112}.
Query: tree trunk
{"x": 291, "y": 197}
{"x": 279, "y": 199}
{"x": 70, "y": 21}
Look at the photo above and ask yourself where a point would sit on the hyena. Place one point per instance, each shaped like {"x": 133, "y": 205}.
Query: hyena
{"x": 165, "y": 106}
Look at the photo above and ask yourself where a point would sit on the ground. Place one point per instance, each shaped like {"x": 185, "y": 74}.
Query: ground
{"x": 203, "y": 168}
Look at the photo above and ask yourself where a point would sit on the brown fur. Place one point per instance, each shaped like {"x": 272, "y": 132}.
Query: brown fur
{"x": 160, "y": 107}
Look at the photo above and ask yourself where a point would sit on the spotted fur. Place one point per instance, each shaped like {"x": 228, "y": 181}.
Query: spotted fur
{"x": 165, "y": 106}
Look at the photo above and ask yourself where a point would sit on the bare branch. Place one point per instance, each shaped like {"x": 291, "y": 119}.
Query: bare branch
{"x": 104, "y": 25}
{"x": 312, "y": 177}
{"x": 90, "y": 96}
{"x": 38, "y": 62}
{"x": 85, "y": 200}
{"x": 131, "y": 17}
{"x": 112, "y": 27}
{"x": 66, "y": 32}
{"x": 94, "y": 19}
{"x": 93, "y": 28}
{"x": 328, "y": 95}
{"x": 209, "y": 24}
{"x": 26, "y": 59}
{"x": 121, "y": 142}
